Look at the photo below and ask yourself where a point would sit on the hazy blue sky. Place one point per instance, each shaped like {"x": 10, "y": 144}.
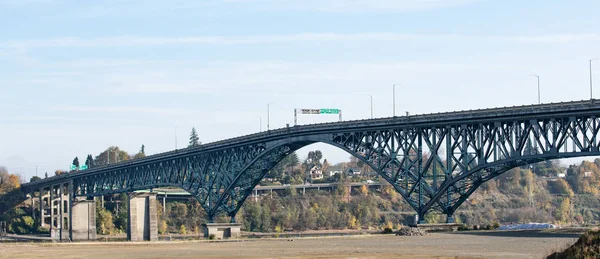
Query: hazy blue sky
{"x": 79, "y": 76}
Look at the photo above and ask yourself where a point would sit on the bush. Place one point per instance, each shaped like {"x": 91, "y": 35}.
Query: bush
{"x": 43, "y": 230}
{"x": 388, "y": 230}
{"x": 496, "y": 225}
{"x": 211, "y": 237}
{"x": 463, "y": 227}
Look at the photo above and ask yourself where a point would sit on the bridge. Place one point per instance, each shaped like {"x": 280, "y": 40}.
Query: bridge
{"x": 435, "y": 161}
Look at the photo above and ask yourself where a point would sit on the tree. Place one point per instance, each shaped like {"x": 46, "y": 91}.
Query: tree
{"x": 110, "y": 156}
{"x": 140, "y": 154}
{"x": 162, "y": 228}
{"x": 89, "y": 161}
{"x": 104, "y": 220}
{"x": 34, "y": 178}
{"x": 8, "y": 182}
{"x": 194, "y": 139}
{"x": 76, "y": 162}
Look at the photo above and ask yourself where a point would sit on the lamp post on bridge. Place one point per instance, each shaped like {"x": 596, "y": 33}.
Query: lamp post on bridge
{"x": 268, "y": 116}
{"x": 538, "y": 88}
{"x": 394, "y": 99}
{"x": 371, "y": 106}
{"x": 591, "y": 94}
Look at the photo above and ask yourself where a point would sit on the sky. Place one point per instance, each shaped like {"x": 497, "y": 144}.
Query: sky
{"x": 79, "y": 76}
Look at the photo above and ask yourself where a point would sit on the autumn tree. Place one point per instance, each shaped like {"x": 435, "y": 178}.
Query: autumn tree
{"x": 8, "y": 181}
{"x": 110, "y": 156}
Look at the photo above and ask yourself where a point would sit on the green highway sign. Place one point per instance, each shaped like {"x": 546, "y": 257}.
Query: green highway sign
{"x": 82, "y": 167}
{"x": 329, "y": 111}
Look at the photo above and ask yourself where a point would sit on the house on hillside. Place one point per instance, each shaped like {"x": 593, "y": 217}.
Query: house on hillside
{"x": 316, "y": 173}
{"x": 333, "y": 170}
{"x": 353, "y": 171}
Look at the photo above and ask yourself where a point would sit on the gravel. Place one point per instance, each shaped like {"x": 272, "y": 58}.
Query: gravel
{"x": 406, "y": 231}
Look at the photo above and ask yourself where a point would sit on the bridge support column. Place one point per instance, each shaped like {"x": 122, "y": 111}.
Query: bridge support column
{"x": 142, "y": 224}
{"x": 83, "y": 219}
{"x": 44, "y": 210}
{"x": 420, "y": 218}
{"x": 450, "y": 218}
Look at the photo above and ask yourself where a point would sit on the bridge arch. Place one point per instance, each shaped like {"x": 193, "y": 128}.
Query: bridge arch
{"x": 439, "y": 167}
{"x": 434, "y": 161}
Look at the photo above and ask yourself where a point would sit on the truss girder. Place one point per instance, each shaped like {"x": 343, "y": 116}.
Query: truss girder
{"x": 434, "y": 166}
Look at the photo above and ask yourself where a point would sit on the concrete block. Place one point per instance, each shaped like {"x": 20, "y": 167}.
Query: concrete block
{"x": 222, "y": 230}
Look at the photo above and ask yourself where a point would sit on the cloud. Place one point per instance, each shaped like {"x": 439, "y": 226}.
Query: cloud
{"x": 136, "y": 41}
{"x": 351, "y": 6}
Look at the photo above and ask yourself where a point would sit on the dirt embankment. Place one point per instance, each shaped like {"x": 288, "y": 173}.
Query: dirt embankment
{"x": 587, "y": 247}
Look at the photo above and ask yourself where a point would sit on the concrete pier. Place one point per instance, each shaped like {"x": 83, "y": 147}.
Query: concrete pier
{"x": 143, "y": 221}
{"x": 83, "y": 220}
{"x": 222, "y": 230}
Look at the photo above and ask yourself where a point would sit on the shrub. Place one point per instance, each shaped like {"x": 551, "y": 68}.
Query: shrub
{"x": 496, "y": 225}
{"x": 162, "y": 229}
{"x": 387, "y": 230}
{"x": 463, "y": 227}
{"x": 43, "y": 230}
{"x": 211, "y": 237}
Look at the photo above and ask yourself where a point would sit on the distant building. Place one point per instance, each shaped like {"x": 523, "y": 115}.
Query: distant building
{"x": 353, "y": 171}
{"x": 561, "y": 175}
{"x": 333, "y": 170}
{"x": 587, "y": 174}
{"x": 316, "y": 173}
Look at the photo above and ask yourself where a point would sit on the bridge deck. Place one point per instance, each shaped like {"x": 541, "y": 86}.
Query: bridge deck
{"x": 424, "y": 120}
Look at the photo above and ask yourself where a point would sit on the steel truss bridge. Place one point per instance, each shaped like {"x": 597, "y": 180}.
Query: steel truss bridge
{"x": 435, "y": 161}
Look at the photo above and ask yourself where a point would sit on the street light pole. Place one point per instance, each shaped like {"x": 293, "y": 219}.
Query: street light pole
{"x": 268, "y": 116}
{"x": 591, "y": 95}
{"x": 538, "y": 86}
{"x": 394, "y": 98}
{"x": 371, "y": 106}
